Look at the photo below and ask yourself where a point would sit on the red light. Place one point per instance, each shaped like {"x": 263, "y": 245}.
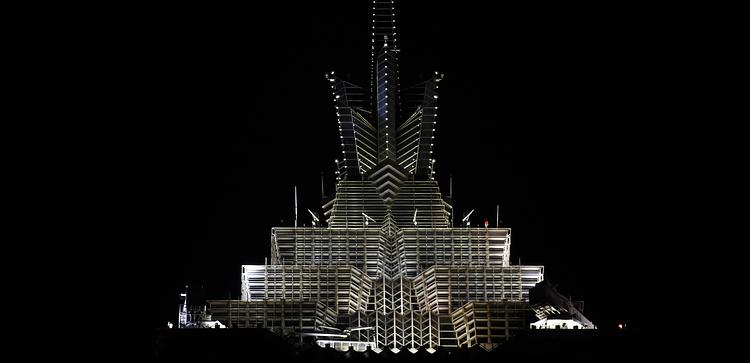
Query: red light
{"x": 619, "y": 326}
{"x": 486, "y": 223}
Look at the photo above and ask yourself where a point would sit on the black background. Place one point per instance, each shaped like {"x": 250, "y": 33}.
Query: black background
{"x": 561, "y": 116}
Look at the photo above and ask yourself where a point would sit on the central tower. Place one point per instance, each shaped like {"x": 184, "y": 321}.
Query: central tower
{"x": 385, "y": 125}
{"x": 385, "y": 75}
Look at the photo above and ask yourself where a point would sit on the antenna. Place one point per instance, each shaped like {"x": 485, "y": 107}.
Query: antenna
{"x": 450, "y": 193}
{"x": 322, "y": 188}
{"x": 497, "y": 218}
{"x": 451, "y": 196}
{"x": 366, "y": 218}
{"x": 295, "y": 206}
{"x": 315, "y": 217}
{"x": 466, "y": 219}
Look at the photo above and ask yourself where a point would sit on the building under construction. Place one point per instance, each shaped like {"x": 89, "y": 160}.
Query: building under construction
{"x": 384, "y": 267}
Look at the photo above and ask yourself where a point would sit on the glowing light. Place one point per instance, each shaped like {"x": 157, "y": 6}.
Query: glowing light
{"x": 366, "y": 164}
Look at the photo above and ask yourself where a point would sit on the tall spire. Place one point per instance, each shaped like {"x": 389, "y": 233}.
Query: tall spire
{"x": 383, "y": 25}
{"x": 388, "y": 125}
{"x": 385, "y": 76}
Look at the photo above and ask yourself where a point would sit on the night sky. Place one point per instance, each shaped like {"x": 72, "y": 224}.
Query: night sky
{"x": 547, "y": 112}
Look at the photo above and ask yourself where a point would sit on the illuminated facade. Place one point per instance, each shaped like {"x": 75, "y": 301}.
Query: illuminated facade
{"x": 388, "y": 270}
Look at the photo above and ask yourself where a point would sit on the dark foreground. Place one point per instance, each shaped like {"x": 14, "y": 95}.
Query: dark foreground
{"x": 253, "y": 345}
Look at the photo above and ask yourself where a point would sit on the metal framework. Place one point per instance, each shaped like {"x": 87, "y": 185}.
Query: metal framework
{"x": 389, "y": 270}
{"x": 277, "y": 315}
{"x": 488, "y": 323}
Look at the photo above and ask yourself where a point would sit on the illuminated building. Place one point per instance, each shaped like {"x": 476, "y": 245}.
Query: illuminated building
{"x": 388, "y": 270}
